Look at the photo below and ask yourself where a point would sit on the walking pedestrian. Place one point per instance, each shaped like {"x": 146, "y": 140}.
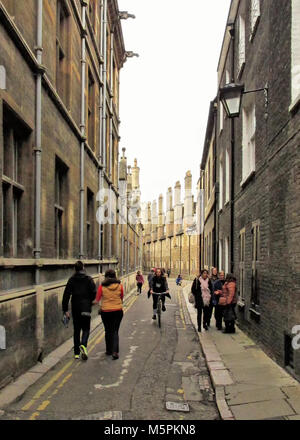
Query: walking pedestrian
{"x": 229, "y": 291}
{"x": 140, "y": 281}
{"x": 168, "y": 272}
{"x": 158, "y": 285}
{"x": 82, "y": 291}
{"x": 217, "y": 286}
{"x": 111, "y": 294}
{"x": 202, "y": 290}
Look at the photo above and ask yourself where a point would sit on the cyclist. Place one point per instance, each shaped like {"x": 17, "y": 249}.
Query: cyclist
{"x": 158, "y": 285}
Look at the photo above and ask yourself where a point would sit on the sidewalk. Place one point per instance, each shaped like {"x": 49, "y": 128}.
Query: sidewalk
{"x": 248, "y": 384}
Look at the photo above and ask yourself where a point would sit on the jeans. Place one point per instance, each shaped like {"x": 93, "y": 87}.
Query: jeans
{"x": 155, "y": 299}
{"x": 81, "y": 323}
{"x": 207, "y": 312}
{"x": 111, "y": 322}
{"x": 219, "y": 315}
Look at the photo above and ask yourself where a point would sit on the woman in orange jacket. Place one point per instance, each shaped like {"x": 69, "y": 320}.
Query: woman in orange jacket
{"x": 111, "y": 293}
{"x": 229, "y": 292}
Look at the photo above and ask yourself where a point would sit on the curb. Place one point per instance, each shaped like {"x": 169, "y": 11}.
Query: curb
{"x": 219, "y": 374}
{"x": 16, "y": 389}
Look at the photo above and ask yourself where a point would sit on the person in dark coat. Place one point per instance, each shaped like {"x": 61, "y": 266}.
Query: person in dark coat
{"x": 202, "y": 291}
{"x": 217, "y": 291}
{"x": 158, "y": 285}
{"x": 82, "y": 291}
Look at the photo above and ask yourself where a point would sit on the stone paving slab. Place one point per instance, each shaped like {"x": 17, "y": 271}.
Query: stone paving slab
{"x": 262, "y": 410}
{"x": 191, "y": 391}
{"x": 221, "y": 377}
{"x": 254, "y": 395}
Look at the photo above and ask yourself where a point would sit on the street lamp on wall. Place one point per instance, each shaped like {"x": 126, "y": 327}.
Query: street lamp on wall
{"x": 231, "y": 97}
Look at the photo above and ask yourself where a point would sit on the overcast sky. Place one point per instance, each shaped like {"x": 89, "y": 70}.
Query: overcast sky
{"x": 166, "y": 92}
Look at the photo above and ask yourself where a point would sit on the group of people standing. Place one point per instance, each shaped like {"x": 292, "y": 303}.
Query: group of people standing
{"x": 214, "y": 291}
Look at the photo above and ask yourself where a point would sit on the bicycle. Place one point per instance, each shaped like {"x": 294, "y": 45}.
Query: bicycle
{"x": 159, "y": 306}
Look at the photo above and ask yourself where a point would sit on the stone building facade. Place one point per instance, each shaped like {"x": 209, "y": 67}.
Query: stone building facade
{"x": 258, "y": 172}
{"x": 171, "y": 238}
{"x": 59, "y": 151}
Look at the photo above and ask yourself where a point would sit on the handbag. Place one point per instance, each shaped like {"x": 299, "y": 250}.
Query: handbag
{"x": 191, "y": 298}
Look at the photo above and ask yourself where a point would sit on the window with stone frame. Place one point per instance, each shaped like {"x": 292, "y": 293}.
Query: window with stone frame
{"x": 208, "y": 175}
{"x": 92, "y": 13}
{"x": 221, "y": 117}
{"x": 255, "y": 234}
{"x": 241, "y": 46}
{"x": 248, "y": 147}
{"x": 91, "y": 110}
{"x": 226, "y": 256}
{"x": 242, "y": 264}
{"x": 254, "y": 17}
{"x": 62, "y": 50}
{"x": 295, "y": 53}
{"x": 15, "y": 138}
{"x": 221, "y": 187}
{"x": 227, "y": 176}
{"x": 60, "y": 208}
{"x": 220, "y": 255}
{"x": 90, "y": 214}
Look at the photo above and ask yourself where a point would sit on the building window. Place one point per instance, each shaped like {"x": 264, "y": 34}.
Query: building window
{"x": 295, "y": 47}
{"x": 208, "y": 180}
{"x": 221, "y": 177}
{"x": 92, "y": 13}
{"x": 255, "y": 232}
{"x": 61, "y": 191}
{"x": 89, "y": 223}
{"x": 62, "y": 49}
{"x": 254, "y": 16}
{"x": 248, "y": 148}
{"x": 226, "y": 256}
{"x": 227, "y": 176}
{"x": 227, "y": 77}
{"x": 220, "y": 255}
{"x": 242, "y": 46}
{"x": 221, "y": 117}
{"x": 242, "y": 264}
{"x": 15, "y": 136}
{"x": 91, "y": 110}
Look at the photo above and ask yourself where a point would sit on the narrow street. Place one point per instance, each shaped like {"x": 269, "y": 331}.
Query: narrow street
{"x": 155, "y": 366}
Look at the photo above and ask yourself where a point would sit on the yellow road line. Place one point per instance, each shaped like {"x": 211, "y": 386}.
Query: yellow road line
{"x": 34, "y": 415}
{"x": 43, "y": 405}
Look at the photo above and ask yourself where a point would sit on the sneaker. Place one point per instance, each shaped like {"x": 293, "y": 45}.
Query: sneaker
{"x": 84, "y": 353}
{"x": 163, "y": 308}
{"x": 115, "y": 356}
{"x": 76, "y": 356}
{"x": 154, "y": 317}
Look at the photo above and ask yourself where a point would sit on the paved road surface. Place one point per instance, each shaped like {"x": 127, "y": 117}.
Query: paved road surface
{"x": 155, "y": 366}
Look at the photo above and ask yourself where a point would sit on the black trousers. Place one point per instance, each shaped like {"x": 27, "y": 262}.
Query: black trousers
{"x": 155, "y": 300}
{"x": 219, "y": 315}
{"x": 111, "y": 322}
{"x": 139, "y": 286}
{"x": 229, "y": 325}
{"x": 207, "y": 312}
{"x": 81, "y": 323}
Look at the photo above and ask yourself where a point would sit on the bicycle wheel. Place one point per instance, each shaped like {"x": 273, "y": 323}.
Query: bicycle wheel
{"x": 159, "y": 312}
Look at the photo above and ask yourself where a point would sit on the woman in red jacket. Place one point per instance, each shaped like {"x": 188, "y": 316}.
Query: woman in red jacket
{"x": 140, "y": 281}
{"x": 230, "y": 294}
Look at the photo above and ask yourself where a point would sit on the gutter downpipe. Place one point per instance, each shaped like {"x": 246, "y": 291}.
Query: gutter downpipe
{"x": 111, "y": 145}
{"x": 103, "y": 123}
{"x": 38, "y": 140}
{"x": 232, "y": 34}
{"x": 82, "y": 126}
{"x": 216, "y": 233}
{"x": 100, "y": 171}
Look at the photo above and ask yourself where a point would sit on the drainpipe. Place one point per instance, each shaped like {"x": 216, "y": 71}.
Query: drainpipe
{"x": 82, "y": 128}
{"x": 216, "y": 229}
{"x": 38, "y": 139}
{"x": 111, "y": 143}
{"x": 100, "y": 171}
{"x": 232, "y": 34}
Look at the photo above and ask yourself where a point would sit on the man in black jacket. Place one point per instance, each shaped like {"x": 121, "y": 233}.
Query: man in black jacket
{"x": 82, "y": 289}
